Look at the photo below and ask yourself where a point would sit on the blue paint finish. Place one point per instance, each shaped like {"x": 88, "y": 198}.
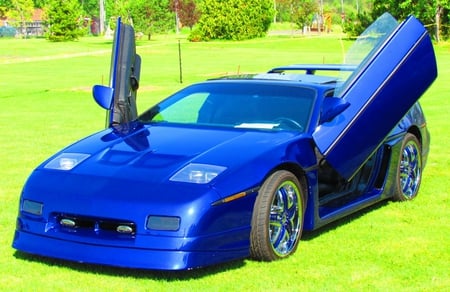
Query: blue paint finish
{"x": 96, "y": 209}
{"x": 381, "y": 93}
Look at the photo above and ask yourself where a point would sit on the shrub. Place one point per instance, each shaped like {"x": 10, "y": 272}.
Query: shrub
{"x": 233, "y": 19}
{"x": 354, "y": 25}
{"x": 65, "y": 20}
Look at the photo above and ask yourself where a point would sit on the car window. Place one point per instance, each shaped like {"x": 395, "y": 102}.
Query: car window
{"x": 365, "y": 48}
{"x": 237, "y": 105}
{"x": 185, "y": 110}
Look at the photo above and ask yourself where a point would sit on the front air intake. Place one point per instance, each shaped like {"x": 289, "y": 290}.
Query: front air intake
{"x": 96, "y": 226}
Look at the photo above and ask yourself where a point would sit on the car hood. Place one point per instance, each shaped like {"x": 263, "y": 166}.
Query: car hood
{"x": 126, "y": 175}
{"x": 152, "y": 154}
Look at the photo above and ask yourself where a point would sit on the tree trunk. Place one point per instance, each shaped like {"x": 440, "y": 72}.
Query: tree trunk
{"x": 438, "y": 23}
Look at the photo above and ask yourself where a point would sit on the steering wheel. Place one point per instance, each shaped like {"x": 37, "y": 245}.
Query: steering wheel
{"x": 290, "y": 123}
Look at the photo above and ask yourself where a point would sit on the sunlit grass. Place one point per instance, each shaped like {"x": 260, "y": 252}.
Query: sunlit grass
{"x": 45, "y": 104}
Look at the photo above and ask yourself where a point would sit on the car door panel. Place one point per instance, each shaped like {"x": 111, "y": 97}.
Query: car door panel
{"x": 380, "y": 93}
{"x": 124, "y": 76}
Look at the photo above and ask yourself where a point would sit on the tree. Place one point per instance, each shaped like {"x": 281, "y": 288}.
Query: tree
{"x": 22, "y": 11}
{"x": 233, "y": 19}
{"x": 429, "y": 12}
{"x": 187, "y": 12}
{"x": 65, "y": 20}
{"x": 40, "y": 3}
{"x": 423, "y": 9}
{"x": 118, "y": 8}
{"x": 355, "y": 24}
{"x": 443, "y": 19}
{"x": 151, "y": 16}
{"x": 302, "y": 16}
{"x": 284, "y": 10}
{"x": 189, "y": 15}
{"x": 5, "y": 5}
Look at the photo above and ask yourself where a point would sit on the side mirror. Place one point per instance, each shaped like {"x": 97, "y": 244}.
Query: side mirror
{"x": 332, "y": 106}
{"x": 103, "y": 95}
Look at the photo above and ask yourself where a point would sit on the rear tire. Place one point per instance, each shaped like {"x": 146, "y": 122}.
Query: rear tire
{"x": 409, "y": 170}
{"x": 277, "y": 220}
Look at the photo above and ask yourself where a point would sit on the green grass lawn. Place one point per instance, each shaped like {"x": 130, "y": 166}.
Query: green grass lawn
{"x": 46, "y": 103}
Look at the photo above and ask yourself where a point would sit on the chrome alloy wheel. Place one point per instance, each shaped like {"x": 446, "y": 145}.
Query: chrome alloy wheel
{"x": 410, "y": 169}
{"x": 285, "y": 220}
{"x": 277, "y": 220}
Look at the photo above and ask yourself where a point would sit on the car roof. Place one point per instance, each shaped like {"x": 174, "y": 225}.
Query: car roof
{"x": 314, "y": 81}
{"x": 313, "y": 68}
{"x": 304, "y": 78}
{"x": 301, "y": 73}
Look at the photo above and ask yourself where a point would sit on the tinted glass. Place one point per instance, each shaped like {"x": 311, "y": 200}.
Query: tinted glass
{"x": 366, "y": 47}
{"x": 238, "y": 105}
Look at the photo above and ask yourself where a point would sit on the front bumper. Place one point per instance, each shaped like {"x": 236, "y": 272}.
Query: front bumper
{"x": 120, "y": 256}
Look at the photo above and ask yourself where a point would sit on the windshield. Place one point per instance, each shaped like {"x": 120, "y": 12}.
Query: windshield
{"x": 365, "y": 48}
{"x": 238, "y": 105}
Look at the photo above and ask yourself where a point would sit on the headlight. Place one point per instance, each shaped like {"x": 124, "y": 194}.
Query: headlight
{"x": 66, "y": 161}
{"x": 198, "y": 173}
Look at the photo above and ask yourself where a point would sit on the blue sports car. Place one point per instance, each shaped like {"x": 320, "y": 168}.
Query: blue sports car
{"x": 237, "y": 166}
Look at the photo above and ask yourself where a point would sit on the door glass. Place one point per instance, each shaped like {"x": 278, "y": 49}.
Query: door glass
{"x": 365, "y": 47}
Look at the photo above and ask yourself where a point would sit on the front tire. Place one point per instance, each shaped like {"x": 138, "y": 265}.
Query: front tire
{"x": 277, "y": 220}
{"x": 409, "y": 170}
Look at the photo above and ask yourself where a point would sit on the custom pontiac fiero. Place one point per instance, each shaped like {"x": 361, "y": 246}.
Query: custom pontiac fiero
{"x": 237, "y": 166}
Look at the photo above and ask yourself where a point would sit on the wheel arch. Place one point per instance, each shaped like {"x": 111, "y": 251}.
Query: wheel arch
{"x": 416, "y": 132}
{"x": 299, "y": 174}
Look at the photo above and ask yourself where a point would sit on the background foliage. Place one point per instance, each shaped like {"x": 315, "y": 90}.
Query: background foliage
{"x": 21, "y": 10}
{"x": 64, "y": 20}
{"x": 429, "y": 12}
{"x": 47, "y": 104}
{"x": 304, "y": 12}
{"x": 225, "y": 19}
{"x": 233, "y": 19}
{"x": 151, "y": 16}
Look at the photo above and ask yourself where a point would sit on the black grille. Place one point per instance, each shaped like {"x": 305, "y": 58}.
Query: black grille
{"x": 75, "y": 223}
